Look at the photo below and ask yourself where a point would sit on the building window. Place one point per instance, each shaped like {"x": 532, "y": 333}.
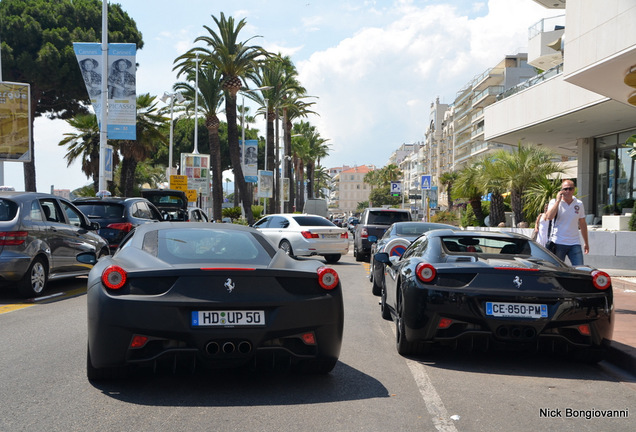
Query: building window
{"x": 614, "y": 173}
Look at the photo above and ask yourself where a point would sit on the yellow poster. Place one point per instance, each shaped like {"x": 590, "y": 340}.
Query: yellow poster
{"x": 15, "y": 121}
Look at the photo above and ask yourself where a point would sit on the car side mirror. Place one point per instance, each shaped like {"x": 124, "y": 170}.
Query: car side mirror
{"x": 382, "y": 257}
{"x": 87, "y": 258}
{"x": 94, "y": 226}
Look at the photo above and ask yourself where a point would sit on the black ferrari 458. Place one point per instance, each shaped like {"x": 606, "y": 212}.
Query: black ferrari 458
{"x": 216, "y": 295}
{"x": 489, "y": 289}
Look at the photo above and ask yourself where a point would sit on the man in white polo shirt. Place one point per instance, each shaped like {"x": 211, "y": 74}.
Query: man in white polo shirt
{"x": 570, "y": 219}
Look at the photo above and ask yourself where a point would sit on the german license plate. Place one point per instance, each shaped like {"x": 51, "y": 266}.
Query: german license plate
{"x": 228, "y": 318}
{"x": 516, "y": 310}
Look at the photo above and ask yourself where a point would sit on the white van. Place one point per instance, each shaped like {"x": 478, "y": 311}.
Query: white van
{"x": 317, "y": 207}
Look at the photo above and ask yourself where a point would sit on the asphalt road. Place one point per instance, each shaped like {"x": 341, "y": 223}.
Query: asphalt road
{"x": 44, "y": 386}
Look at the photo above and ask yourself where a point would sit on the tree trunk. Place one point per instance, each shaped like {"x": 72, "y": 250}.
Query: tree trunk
{"x": 301, "y": 186}
{"x": 476, "y": 205}
{"x": 290, "y": 171}
{"x": 30, "y": 184}
{"x": 128, "y": 166}
{"x": 497, "y": 213}
{"x": 516, "y": 202}
{"x": 233, "y": 143}
{"x": 270, "y": 154}
{"x": 217, "y": 172}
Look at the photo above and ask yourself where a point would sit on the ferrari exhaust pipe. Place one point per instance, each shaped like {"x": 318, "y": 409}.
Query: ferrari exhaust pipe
{"x": 212, "y": 348}
{"x": 244, "y": 347}
{"x": 228, "y": 348}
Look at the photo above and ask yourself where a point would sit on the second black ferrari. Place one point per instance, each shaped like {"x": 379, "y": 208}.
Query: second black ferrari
{"x": 483, "y": 289}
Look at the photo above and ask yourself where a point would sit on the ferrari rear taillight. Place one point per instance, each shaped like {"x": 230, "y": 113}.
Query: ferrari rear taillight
{"x": 425, "y": 272}
{"x": 114, "y": 277}
{"x": 601, "y": 280}
{"x": 138, "y": 341}
{"x": 364, "y": 233}
{"x": 13, "y": 238}
{"x": 123, "y": 226}
{"x": 308, "y": 234}
{"x": 327, "y": 278}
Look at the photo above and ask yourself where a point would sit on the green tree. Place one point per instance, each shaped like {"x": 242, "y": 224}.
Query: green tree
{"x": 522, "y": 168}
{"x": 382, "y": 196}
{"x": 37, "y": 48}
{"x": 468, "y": 187}
{"x": 149, "y": 139}
{"x": 235, "y": 60}
{"x": 493, "y": 183}
{"x": 446, "y": 181}
{"x": 210, "y": 98}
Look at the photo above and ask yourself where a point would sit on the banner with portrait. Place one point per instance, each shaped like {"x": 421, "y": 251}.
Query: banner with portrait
{"x": 265, "y": 184}
{"x": 121, "y": 85}
{"x": 249, "y": 160}
{"x": 15, "y": 122}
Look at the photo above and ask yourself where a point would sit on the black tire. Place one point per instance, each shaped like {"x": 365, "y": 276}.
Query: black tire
{"x": 384, "y": 308}
{"x": 356, "y": 254}
{"x": 404, "y": 346}
{"x": 317, "y": 366}
{"x": 332, "y": 258}
{"x": 103, "y": 374}
{"x": 34, "y": 281}
{"x": 286, "y": 246}
{"x": 376, "y": 288}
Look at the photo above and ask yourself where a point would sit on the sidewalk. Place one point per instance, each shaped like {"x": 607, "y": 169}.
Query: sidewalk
{"x": 622, "y": 351}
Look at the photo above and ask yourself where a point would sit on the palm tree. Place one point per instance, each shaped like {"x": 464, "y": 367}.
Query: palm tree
{"x": 321, "y": 181}
{"x": 295, "y": 108}
{"x": 522, "y": 168}
{"x": 85, "y": 145}
{"x": 494, "y": 183}
{"x": 468, "y": 187}
{"x": 300, "y": 153}
{"x": 389, "y": 174}
{"x": 538, "y": 194}
{"x": 210, "y": 98}
{"x": 236, "y": 61}
{"x": 149, "y": 137}
{"x": 318, "y": 149}
{"x": 446, "y": 180}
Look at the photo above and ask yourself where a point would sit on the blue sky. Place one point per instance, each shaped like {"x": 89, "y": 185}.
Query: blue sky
{"x": 374, "y": 66}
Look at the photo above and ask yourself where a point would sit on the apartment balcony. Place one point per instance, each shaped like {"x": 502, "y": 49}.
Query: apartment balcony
{"x": 477, "y": 133}
{"x": 491, "y": 77}
{"x": 545, "y": 41}
{"x": 477, "y": 115}
{"x": 487, "y": 96}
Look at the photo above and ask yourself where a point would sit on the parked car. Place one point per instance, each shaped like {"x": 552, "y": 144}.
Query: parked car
{"x": 495, "y": 289}
{"x": 173, "y": 204}
{"x": 40, "y": 238}
{"x": 305, "y": 235}
{"x": 351, "y": 224}
{"x": 394, "y": 242}
{"x": 373, "y": 222}
{"x": 195, "y": 214}
{"x": 212, "y": 295}
{"x": 118, "y": 216}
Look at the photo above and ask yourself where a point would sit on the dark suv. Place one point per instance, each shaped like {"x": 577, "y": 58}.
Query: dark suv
{"x": 117, "y": 216}
{"x": 374, "y": 222}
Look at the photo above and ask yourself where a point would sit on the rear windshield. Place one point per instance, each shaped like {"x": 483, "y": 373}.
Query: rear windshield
{"x": 101, "y": 210}
{"x": 387, "y": 217}
{"x": 180, "y": 246}
{"x": 313, "y": 221}
{"x": 8, "y": 210}
{"x": 167, "y": 200}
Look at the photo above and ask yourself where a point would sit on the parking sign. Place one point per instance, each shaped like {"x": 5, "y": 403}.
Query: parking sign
{"x": 396, "y": 188}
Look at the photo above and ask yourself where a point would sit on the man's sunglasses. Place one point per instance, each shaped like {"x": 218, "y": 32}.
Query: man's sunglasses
{"x": 567, "y": 189}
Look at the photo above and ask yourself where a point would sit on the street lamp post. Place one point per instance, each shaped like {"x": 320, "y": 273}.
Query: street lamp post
{"x": 180, "y": 99}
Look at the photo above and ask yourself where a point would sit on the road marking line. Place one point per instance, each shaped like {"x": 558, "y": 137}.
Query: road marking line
{"x": 433, "y": 402}
{"x": 13, "y": 307}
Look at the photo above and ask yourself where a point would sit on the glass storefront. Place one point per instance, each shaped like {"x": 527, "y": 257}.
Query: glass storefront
{"x": 614, "y": 174}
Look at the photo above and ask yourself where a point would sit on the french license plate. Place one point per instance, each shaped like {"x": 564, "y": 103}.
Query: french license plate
{"x": 330, "y": 236}
{"x": 228, "y": 318}
{"x": 516, "y": 310}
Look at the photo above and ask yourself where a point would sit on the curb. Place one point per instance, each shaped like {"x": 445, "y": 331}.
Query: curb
{"x": 622, "y": 356}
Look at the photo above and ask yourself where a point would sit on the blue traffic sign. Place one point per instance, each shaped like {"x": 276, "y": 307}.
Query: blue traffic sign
{"x": 426, "y": 182}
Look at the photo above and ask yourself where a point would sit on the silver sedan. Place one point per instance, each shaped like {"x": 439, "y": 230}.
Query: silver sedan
{"x": 305, "y": 235}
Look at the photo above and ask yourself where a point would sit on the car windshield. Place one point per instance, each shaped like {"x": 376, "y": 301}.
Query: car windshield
{"x": 387, "y": 217}
{"x": 101, "y": 210}
{"x": 8, "y": 210}
{"x": 180, "y": 246}
{"x": 313, "y": 221}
